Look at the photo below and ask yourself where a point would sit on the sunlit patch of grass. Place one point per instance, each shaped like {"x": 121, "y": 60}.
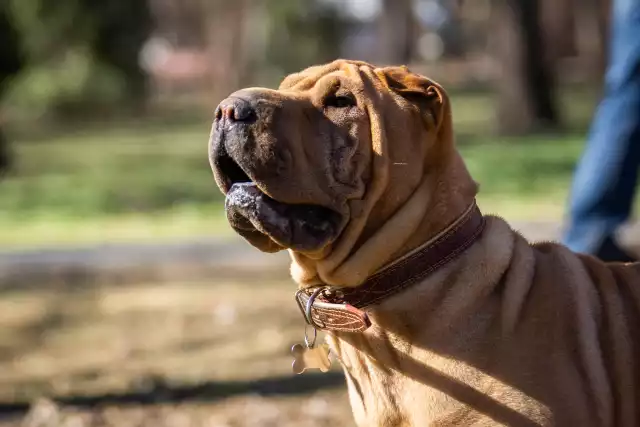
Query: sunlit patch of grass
{"x": 57, "y": 230}
{"x": 524, "y": 178}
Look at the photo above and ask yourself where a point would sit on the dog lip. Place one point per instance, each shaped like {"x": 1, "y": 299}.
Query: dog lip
{"x": 228, "y": 170}
{"x": 302, "y": 227}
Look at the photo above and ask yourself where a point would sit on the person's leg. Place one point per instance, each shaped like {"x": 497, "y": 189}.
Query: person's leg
{"x": 605, "y": 180}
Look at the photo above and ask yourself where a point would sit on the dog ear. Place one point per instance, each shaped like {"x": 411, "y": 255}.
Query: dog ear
{"x": 426, "y": 94}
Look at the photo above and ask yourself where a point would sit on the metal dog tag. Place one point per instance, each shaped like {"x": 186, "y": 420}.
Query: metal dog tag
{"x": 308, "y": 356}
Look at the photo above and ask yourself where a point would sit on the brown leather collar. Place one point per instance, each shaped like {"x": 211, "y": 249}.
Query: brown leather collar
{"x": 340, "y": 309}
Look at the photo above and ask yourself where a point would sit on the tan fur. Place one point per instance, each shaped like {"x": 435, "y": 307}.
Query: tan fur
{"x": 508, "y": 333}
{"x": 415, "y": 174}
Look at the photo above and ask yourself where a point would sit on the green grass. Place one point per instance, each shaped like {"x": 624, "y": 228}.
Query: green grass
{"x": 111, "y": 172}
{"x": 141, "y": 181}
{"x": 55, "y": 230}
{"x": 128, "y": 183}
{"x": 526, "y": 178}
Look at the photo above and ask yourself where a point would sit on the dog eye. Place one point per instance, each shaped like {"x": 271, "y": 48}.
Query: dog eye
{"x": 340, "y": 101}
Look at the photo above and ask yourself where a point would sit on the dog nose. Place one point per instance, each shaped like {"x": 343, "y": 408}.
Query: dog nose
{"x": 235, "y": 110}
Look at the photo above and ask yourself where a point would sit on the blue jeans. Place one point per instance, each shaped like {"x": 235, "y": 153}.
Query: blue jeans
{"x": 605, "y": 180}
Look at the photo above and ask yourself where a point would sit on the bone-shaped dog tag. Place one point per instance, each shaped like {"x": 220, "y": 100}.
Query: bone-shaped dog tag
{"x": 310, "y": 358}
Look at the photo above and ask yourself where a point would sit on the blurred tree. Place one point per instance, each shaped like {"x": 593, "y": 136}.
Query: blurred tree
{"x": 180, "y": 22}
{"x": 10, "y": 63}
{"x": 603, "y": 14}
{"x": 526, "y": 95}
{"x": 396, "y": 29}
{"x": 250, "y": 41}
{"x": 120, "y": 29}
{"x": 558, "y": 29}
{"x": 576, "y": 29}
{"x": 302, "y": 33}
{"x": 226, "y": 40}
{"x": 78, "y": 54}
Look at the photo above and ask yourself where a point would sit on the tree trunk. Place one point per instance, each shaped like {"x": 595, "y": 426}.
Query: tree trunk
{"x": 526, "y": 100}
{"x": 227, "y": 46}
{"x": 558, "y": 29}
{"x": 396, "y": 28}
{"x": 181, "y": 22}
{"x": 603, "y": 12}
{"x": 11, "y": 61}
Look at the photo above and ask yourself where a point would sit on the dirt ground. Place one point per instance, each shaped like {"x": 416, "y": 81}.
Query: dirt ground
{"x": 310, "y": 410}
{"x": 181, "y": 354}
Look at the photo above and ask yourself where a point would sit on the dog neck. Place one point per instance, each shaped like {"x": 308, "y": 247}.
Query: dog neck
{"x": 442, "y": 196}
{"x": 341, "y": 309}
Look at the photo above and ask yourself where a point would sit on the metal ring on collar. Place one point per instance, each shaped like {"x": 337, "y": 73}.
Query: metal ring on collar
{"x": 307, "y": 311}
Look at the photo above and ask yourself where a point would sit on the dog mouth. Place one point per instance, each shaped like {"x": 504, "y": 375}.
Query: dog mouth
{"x": 266, "y": 223}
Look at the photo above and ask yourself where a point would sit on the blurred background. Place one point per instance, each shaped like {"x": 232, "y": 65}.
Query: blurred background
{"x": 125, "y": 299}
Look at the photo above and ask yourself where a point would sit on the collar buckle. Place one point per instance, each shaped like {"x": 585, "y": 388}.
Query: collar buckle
{"x": 321, "y": 314}
{"x": 307, "y": 307}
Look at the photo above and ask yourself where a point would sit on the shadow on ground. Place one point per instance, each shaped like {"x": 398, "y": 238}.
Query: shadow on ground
{"x": 160, "y": 393}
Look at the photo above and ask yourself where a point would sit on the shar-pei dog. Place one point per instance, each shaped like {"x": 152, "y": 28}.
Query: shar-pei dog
{"x": 439, "y": 315}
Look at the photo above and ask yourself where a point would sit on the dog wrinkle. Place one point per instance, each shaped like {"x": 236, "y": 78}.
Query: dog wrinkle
{"x": 617, "y": 336}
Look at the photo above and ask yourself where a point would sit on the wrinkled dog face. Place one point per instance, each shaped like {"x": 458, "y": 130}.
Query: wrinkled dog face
{"x": 289, "y": 160}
